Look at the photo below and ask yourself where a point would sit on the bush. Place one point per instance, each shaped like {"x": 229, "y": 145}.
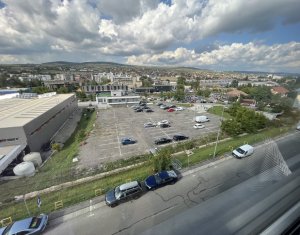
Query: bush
{"x": 56, "y": 147}
{"x": 161, "y": 161}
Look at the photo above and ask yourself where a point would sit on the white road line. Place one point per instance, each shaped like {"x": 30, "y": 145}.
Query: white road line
{"x": 117, "y": 134}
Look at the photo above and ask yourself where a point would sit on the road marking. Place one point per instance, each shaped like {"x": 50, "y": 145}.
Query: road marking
{"x": 117, "y": 134}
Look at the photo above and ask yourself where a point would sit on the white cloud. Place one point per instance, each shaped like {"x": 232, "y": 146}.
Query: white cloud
{"x": 236, "y": 56}
{"x": 75, "y": 28}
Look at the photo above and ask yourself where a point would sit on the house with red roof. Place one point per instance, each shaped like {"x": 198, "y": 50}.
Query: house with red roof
{"x": 279, "y": 90}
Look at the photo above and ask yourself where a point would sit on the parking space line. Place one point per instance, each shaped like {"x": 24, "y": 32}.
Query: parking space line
{"x": 117, "y": 133}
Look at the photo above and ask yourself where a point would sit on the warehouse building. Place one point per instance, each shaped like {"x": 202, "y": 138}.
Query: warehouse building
{"x": 30, "y": 123}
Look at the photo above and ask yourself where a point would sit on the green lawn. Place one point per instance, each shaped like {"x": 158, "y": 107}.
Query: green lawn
{"x": 217, "y": 110}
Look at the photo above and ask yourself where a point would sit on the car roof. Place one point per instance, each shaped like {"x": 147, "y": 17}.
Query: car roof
{"x": 163, "y": 174}
{"x": 246, "y": 147}
{"x": 129, "y": 185}
{"x": 20, "y": 225}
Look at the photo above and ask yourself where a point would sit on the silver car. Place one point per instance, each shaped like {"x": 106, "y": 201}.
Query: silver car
{"x": 28, "y": 226}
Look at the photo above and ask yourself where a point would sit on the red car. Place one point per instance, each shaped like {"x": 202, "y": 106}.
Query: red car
{"x": 171, "y": 110}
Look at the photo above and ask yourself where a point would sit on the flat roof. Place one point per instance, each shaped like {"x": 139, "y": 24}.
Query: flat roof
{"x": 16, "y": 112}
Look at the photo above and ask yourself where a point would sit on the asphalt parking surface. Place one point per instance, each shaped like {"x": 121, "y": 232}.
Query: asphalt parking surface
{"x": 104, "y": 143}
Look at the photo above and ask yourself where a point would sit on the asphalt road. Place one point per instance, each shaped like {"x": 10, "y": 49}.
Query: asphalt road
{"x": 195, "y": 187}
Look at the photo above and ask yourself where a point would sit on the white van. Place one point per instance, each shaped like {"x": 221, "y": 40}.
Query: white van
{"x": 201, "y": 119}
{"x": 243, "y": 151}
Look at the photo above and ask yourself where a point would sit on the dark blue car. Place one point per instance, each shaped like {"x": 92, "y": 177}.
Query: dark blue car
{"x": 126, "y": 141}
{"x": 160, "y": 179}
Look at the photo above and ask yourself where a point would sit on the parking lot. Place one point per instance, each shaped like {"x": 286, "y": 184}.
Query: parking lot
{"x": 104, "y": 143}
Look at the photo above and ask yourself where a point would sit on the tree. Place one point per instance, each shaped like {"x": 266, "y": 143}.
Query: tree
{"x": 62, "y": 90}
{"x": 234, "y": 83}
{"x": 40, "y": 90}
{"x": 204, "y": 92}
{"x": 162, "y": 161}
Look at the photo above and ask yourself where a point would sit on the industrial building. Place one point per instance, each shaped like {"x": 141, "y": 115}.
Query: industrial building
{"x": 30, "y": 123}
{"x": 117, "y": 98}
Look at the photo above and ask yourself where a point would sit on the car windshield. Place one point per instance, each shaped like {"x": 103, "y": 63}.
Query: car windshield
{"x": 7, "y": 229}
{"x": 35, "y": 222}
{"x": 157, "y": 178}
{"x": 241, "y": 151}
{"x": 118, "y": 193}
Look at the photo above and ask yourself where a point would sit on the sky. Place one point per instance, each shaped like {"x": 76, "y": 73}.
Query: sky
{"x": 223, "y": 35}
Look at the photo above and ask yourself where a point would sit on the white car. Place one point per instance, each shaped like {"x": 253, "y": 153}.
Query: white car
{"x": 179, "y": 109}
{"x": 163, "y": 122}
{"x": 149, "y": 124}
{"x": 298, "y": 127}
{"x": 198, "y": 126}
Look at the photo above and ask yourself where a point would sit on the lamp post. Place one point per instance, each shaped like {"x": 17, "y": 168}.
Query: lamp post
{"x": 215, "y": 150}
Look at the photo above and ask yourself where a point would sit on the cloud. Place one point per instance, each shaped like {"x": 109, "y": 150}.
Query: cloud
{"x": 236, "y": 56}
{"x": 76, "y": 28}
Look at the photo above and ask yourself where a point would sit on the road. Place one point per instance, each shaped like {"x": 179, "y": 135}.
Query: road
{"x": 195, "y": 187}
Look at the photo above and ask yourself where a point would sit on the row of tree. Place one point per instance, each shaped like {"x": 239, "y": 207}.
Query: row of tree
{"x": 244, "y": 120}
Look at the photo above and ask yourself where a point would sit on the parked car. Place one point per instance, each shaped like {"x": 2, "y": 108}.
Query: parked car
{"x": 28, "y": 226}
{"x": 127, "y": 140}
{"x": 179, "y": 137}
{"x": 243, "y": 151}
{"x": 179, "y": 109}
{"x": 198, "y": 126}
{"x": 149, "y": 111}
{"x": 138, "y": 110}
{"x": 124, "y": 192}
{"x": 145, "y": 107}
{"x": 170, "y": 110}
{"x": 159, "y": 104}
{"x": 298, "y": 127}
{"x": 164, "y": 125}
{"x": 172, "y": 106}
{"x": 162, "y": 140}
{"x": 164, "y": 107}
{"x": 201, "y": 119}
{"x": 149, "y": 124}
{"x": 163, "y": 122}
{"x": 160, "y": 179}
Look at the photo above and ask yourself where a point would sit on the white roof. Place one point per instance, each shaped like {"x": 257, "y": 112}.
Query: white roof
{"x": 17, "y": 112}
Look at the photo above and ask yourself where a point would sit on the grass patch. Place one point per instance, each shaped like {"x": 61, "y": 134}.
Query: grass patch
{"x": 217, "y": 110}
{"x": 184, "y": 105}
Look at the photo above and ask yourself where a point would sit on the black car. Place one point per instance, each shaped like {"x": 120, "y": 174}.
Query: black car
{"x": 178, "y": 137}
{"x": 145, "y": 107}
{"x": 123, "y": 192}
{"x": 149, "y": 111}
{"x": 162, "y": 140}
{"x": 160, "y": 179}
{"x": 138, "y": 110}
{"x": 172, "y": 106}
{"x": 164, "y": 125}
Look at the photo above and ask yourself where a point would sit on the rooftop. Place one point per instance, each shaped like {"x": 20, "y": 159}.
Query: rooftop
{"x": 16, "y": 112}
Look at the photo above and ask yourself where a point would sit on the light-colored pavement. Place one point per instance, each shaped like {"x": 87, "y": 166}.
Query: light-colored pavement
{"x": 196, "y": 186}
{"x": 104, "y": 143}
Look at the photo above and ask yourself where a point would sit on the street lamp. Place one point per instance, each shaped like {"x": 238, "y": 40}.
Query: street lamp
{"x": 215, "y": 150}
